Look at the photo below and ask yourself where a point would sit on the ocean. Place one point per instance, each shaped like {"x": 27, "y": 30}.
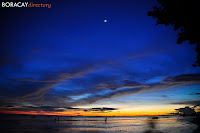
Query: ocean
{"x": 134, "y": 124}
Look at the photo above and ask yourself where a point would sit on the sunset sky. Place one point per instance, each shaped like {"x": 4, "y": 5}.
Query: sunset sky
{"x": 65, "y": 60}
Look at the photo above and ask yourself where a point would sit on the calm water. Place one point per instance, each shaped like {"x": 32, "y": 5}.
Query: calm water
{"x": 44, "y": 124}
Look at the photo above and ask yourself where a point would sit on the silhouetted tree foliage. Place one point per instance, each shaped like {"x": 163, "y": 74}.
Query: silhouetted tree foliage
{"x": 184, "y": 16}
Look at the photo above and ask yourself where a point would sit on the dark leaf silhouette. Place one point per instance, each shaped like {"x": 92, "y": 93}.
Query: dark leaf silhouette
{"x": 183, "y": 15}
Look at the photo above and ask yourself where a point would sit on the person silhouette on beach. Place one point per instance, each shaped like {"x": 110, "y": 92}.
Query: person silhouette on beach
{"x": 106, "y": 119}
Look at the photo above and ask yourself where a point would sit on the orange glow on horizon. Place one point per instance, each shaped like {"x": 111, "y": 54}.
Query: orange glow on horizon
{"x": 72, "y": 113}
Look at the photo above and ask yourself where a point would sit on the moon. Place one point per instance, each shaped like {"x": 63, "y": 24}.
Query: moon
{"x": 105, "y": 21}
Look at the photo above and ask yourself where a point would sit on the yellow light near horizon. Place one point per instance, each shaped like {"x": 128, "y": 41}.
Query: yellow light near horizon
{"x": 129, "y": 111}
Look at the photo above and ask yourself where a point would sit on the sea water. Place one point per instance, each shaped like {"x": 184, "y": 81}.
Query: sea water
{"x": 135, "y": 124}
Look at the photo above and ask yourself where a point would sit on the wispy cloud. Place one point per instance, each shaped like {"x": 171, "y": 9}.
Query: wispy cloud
{"x": 170, "y": 82}
{"x": 40, "y": 88}
{"x": 189, "y": 102}
{"x": 194, "y": 94}
{"x": 49, "y": 82}
{"x": 55, "y": 109}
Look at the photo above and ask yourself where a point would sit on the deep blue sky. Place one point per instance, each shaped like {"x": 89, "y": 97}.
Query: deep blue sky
{"x": 66, "y": 56}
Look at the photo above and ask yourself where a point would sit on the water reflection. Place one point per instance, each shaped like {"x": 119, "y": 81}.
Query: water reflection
{"x": 138, "y": 124}
{"x": 152, "y": 122}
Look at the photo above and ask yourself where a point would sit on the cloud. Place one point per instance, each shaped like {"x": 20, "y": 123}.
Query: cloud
{"x": 48, "y": 82}
{"x": 100, "y": 110}
{"x": 165, "y": 96}
{"x": 55, "y": 109}
{"x": 183, "y": 78}
{"x": 36, "y": 91}
{"x": 191, "y": 102}
{"x": 170, "y": 82}
{"x": 194, "y": 94}
{"x": 103, "y": 109}
{"x": 26, "y": 79}
{"x": 118, "y": 89}
{"x": 34, "y": 80}
{"x": 72, "y": 108}
{"x": 112, "y": 86}
{"x": 127, "y": 88}
{"x": 9, "y": 106}
{"x": 58, "y": 79}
